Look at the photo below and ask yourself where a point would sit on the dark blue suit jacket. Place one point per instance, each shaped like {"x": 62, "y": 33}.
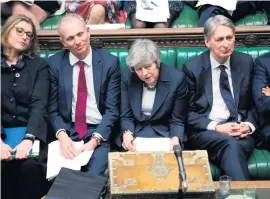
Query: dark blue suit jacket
{"x": 199, "y": 77}
{"x": 106, "y": 72}
{"x": 261, "y": 79}
{"x": 169, "y": 111}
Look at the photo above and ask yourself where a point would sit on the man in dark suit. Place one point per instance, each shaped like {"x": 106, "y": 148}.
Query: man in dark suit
{"x": 153, "y": 97}
{"x": 85, "y": 94}
{"x": 261, "y": 94}
{"x": 221, "y": 115}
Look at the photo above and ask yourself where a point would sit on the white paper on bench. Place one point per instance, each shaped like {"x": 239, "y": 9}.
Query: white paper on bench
{"x": 228, "y": 5}
{"x": 152, "y": 144}
{"x": 152, "y": 10}
{"x": 56, "y": 161}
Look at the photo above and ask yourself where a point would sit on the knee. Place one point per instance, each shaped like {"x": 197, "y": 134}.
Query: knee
{"x": 29, "y": 166}
{"x": 161, "y": 25}
{"x": 139, "y": 24}
{"x": 97, "y": 12}
{"x": 233, "y": 144}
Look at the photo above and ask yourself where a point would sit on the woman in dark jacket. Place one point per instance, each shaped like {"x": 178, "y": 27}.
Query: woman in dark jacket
{"x": 153, "y": 97}
{"x": 24, "y": 96}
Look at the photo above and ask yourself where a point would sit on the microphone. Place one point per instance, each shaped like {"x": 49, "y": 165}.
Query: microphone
{"x": 182, "y": 173}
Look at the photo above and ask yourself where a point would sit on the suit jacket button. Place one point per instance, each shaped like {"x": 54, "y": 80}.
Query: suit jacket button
{"x": 12, "y": 99}
{"x": 14, "y": 84}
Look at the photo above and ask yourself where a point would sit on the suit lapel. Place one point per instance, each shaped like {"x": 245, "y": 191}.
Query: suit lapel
{"x": 67, "y": 76}
{"x": 135, "y": 96}
{"x": 236, "y": 77}
{"x": 206, "y": 76}
{"x": 162, "y": 91}
{"x": 97, "y": 73}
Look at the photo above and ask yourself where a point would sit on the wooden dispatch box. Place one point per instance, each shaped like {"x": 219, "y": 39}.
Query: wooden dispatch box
{"x": 155, "y": 175}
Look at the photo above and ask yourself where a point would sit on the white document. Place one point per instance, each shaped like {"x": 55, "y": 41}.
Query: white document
{"x": 56, "y": 161}
{"x": 152, "y": 144}
{"x": 226, "y": 4}
{"x": 107, "y": 26}
{"x": 152, "y": 10}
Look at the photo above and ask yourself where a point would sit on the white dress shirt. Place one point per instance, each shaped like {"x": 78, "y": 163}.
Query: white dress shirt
{"x": 219, "y": 111}
{"x": 148, "y": 98}
{"x": 93, "y": 115}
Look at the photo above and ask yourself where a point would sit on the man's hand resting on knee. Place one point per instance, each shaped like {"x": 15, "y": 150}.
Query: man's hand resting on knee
{"x": 67, "y": 146}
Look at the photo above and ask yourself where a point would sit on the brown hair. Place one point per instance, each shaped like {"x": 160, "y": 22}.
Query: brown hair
{"x": 11, "y": 22}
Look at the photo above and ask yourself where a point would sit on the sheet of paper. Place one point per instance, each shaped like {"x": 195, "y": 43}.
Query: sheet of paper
{"x": 56, "y": 161}
{"x": 152, "y": 10}
{"x": 228, "y": 5}
{"x": 107, "y": 26}
{"x": 152, "y": 144}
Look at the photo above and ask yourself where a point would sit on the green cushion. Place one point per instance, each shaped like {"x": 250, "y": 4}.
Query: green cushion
{"x": 47, "y": 53}
{"x": 121, "y": 54}
{"x": 168, "y": 56}
{"x": 259, "y": 19}
{"x": 184, "y": 54}
{"x": 188, "y": 18}
{"x": 215, "y": 172}
{"x": 259, "y": 165}
{"x": 51, "y": 22}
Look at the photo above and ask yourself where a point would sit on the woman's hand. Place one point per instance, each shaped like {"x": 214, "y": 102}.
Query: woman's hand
{"x": 22, "y": 150}
{"x": 174, "y": 141}
{"x": 6, "y": 151}
{"x": 128, "y": 142}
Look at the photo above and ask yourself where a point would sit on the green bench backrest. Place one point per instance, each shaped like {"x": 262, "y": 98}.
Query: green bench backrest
{"x": 188, "y": 18}
{"x": 173, "y": 57}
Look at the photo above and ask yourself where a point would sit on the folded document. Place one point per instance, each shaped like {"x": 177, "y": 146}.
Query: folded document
{"x": 56, "y": 161}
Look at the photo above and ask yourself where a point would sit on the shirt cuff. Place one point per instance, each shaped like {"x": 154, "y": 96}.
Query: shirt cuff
{"x": 30, "y": 135}
{"x": 251, "y": 126}
{"x": 212, "y": 125}
{"x": 59, "y": 132}
{"x": 102, "y": 138}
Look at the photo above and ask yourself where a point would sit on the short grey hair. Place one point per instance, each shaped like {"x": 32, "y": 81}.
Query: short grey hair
{"x": 211, "y": 24}
{"x": 66, "y": 17}
{"x": 142, "y": 51}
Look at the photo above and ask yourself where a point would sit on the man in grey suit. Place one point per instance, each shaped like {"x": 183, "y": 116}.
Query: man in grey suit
{"x": 85, "y": 94}
{"x": 221, "y": 114}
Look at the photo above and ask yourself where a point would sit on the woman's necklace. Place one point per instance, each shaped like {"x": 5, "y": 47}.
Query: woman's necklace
{"x": 149, "y": 88}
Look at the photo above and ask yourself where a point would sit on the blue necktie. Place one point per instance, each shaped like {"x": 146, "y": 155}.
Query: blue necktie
{"x": 227, "y": 94}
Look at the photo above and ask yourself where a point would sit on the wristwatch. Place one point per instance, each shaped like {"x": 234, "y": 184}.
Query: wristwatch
{"x": 29, "y": 137}
{"x": 97, "y": 138}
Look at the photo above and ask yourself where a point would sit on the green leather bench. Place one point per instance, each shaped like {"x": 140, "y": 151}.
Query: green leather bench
{"x": 188, "y": 18}
{"x": 259, "y": 162}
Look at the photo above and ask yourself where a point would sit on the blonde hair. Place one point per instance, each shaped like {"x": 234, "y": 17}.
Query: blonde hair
{"x": 11, "y": 22}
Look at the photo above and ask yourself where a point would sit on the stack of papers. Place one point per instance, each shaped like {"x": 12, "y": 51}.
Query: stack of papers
{"x": 152, "y": 144}
{"x": 56, "y": 161}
